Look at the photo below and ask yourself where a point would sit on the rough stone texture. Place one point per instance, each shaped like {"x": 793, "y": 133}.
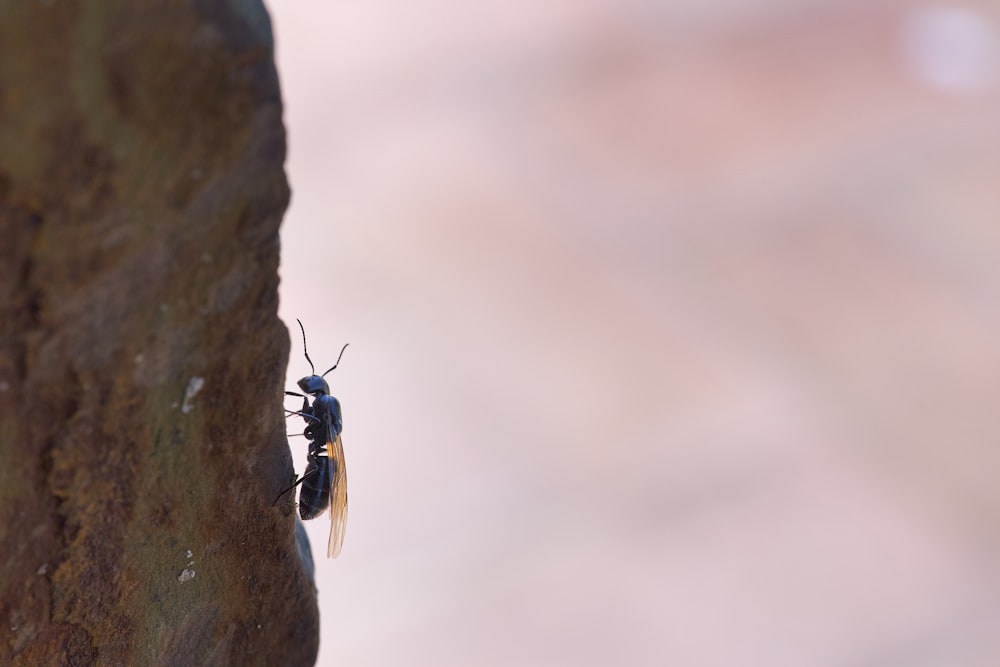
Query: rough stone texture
{"x": 141, "y": 190}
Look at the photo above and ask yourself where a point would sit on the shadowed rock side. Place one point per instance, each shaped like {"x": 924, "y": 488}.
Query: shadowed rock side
{"x": 141, "y": 359}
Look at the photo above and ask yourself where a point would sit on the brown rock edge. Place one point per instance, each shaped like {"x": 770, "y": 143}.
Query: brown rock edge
{"x": 142, "y": 362}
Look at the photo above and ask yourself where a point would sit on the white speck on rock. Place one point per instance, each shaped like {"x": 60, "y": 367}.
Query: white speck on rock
{"x": 185, "y": 575}
{"x": 194, "y": 386}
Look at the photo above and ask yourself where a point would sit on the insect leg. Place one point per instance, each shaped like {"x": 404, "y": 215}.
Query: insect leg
{"x": 304, "y": 415}
{"x": 298, "y": 481}
{"x": 305, "y": 400}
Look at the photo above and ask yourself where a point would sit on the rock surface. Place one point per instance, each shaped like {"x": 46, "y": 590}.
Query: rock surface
{"x": 141, "y": 358}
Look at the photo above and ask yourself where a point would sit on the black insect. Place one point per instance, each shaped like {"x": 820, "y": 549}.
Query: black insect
{"x": 324, "y": 482}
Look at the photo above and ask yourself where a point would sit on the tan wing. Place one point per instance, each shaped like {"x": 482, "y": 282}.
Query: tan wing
{"x": 338, "y": 497}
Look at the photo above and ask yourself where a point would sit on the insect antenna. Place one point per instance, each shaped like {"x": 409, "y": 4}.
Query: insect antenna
{"x": 338, "y": 359}
{"x": 305, "y": 349}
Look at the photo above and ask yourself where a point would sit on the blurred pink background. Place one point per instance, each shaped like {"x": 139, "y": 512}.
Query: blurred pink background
{"x": 674, "y": 324}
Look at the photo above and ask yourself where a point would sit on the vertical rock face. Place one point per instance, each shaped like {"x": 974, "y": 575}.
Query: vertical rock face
{"x": 141, "y": 358}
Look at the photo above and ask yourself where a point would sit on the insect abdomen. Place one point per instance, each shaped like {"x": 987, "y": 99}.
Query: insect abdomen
{"x": 314, "y": 497}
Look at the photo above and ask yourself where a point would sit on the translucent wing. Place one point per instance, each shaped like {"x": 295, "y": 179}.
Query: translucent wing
{"x": 338, "y": 495}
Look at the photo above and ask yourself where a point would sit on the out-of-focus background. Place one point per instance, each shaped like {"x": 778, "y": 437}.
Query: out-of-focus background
{"x": 674, "y": 324}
